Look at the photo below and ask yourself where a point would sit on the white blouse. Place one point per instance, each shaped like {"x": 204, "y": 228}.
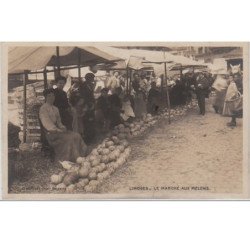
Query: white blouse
{"x": 50, "y": 117}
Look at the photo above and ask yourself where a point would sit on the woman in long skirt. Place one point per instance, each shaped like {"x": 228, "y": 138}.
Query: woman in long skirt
{"x": 233, "y": 103}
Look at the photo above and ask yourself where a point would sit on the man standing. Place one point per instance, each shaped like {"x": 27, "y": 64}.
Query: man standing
{"x": 136, "y": 82}
{"x": 86, "y": 90}
{"x": 61, "y": 102}
{"x": 201, "y": 87}
{"x": 114, "y": 81}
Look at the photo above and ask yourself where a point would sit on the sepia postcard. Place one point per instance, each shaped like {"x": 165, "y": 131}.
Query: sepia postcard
{"x": 125, "y": 120}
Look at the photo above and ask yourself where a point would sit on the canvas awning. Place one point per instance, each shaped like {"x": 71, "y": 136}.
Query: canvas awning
{"x": 155, "y": 58}
{"x": 38, "y": 57}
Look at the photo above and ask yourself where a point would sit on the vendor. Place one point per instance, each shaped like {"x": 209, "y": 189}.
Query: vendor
{"x": 102, "y": 110}
{"x": 67, "y": 145}
{"x": 115, "y": 101}
{"x": 86, "y": 91}
{"x": 61, "y": 102}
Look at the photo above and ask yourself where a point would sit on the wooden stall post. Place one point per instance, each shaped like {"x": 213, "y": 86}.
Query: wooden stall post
{"x": 127, "y": 87}
{"x": 58, "y": 61}
{"x": 130, "y": 81}
{"x": 168, "y": 99}
{"x": 45, "y": 79}
{"x": 25, "y": 82}
{"x": 79, "y": 65}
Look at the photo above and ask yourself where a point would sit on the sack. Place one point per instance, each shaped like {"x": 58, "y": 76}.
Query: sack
{"x": 234, "y": 107}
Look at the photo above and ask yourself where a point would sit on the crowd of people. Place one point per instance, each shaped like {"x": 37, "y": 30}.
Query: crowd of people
{"x": 72, "y": 120}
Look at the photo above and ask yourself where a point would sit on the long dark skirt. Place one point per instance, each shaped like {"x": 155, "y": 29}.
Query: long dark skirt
{"x": 68, "y": 146}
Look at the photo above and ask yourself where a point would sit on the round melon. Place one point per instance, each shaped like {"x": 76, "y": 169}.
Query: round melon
{"x": 56, "y": 179}
{"x": 71, "y": 188}
{"x": 121, "y": 148}
{"x": 93, "y": 183}
{"x": 122, "y": 136}
{"x": 101, "y": 167}
{"x": 86, "y": 164}
{"x": 105, "y": 159}
{"x": 83, "y": 172}
{"x": 95, "y": 162}
{"x": 124, "y": 143}
{"x": 62, "y": 173}
{"x": 82, "y": 183}
{"x": 61, "y": 186}
{"x": 80, "y": 160}
{"x": 105, "y": 151}
{"x": 109, "y": 143}
{"x": 92, "y": 176}
{"x": 111, "y": 148}
{"x": 70, "y": 178}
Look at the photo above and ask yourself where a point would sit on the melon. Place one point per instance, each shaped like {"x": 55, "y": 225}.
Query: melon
{"x": 89, "y": 188}
{"x": 122, "y": 136}
{"x": 101, "y": 167}
{"x": 105, "y": 151}
{"x": 83, "y": 172}
{"x": 80, "y": 160}
{"x": 117, "y": 152}
{"x": 92, "y": 157}
{"x": 56, "y": 179}
{"x": 92, "y": 176}
{"x": 74, "y": 169}
{"x": 124, "y": 143}
{"x": 71, "y": 188}
{"x": 95, "y": 162}
{"x": 121, "y": 126}
{"x": 70, "y": 178}
{"x": 112, "y": 156}
{"x": 105, "y": 159}
{"x": 62, "y": 173}
{"x": 115, "y": 139}
{"x": 82, "y": 183}
{"x": 86, "y": 164}
{"x": 61, "y": 186}
{"x": 94, "y": 183}
{"x": 94, "y": 152}
{"x": 121, "y": 148}
{"x": 109, "y": 143}
{"x": 111, "y": 148}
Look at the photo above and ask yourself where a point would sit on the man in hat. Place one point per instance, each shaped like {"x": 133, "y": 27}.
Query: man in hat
{"x": 201, "y": 87}
{"x": 86, "y": 91}
{"x": 61, "y": 102}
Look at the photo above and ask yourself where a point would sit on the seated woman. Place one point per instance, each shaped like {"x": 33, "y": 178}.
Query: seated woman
{"x": 67, "y": 145}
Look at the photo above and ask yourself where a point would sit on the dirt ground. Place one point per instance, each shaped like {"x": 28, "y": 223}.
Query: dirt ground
{"x": 194, "y": 154}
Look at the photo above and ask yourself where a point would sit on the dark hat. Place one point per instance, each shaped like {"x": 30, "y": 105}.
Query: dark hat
{"x": 48, "y": 91}
{"x": 105, "y": 90}
{"x": 61, "y": 78}
{"x": 89, "y": 76}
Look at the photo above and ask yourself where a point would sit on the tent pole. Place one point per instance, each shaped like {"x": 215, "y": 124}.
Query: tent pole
{"x": 127, "y": 72}
{"x": 130, "y": 82}
{"x": 25, "y": 82}
{"x": 58, "y": 60}
{"x": 79, "y": 65}
{"x": 168, "y": 99}
{"x": 45, "y": 79}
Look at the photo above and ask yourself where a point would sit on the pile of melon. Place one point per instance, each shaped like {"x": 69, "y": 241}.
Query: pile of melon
{"x": 88, "y": 172}
{"x": 136, "y": 128}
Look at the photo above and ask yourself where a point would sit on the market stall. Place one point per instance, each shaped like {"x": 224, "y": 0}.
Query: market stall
{"x": 25, "y": 60}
